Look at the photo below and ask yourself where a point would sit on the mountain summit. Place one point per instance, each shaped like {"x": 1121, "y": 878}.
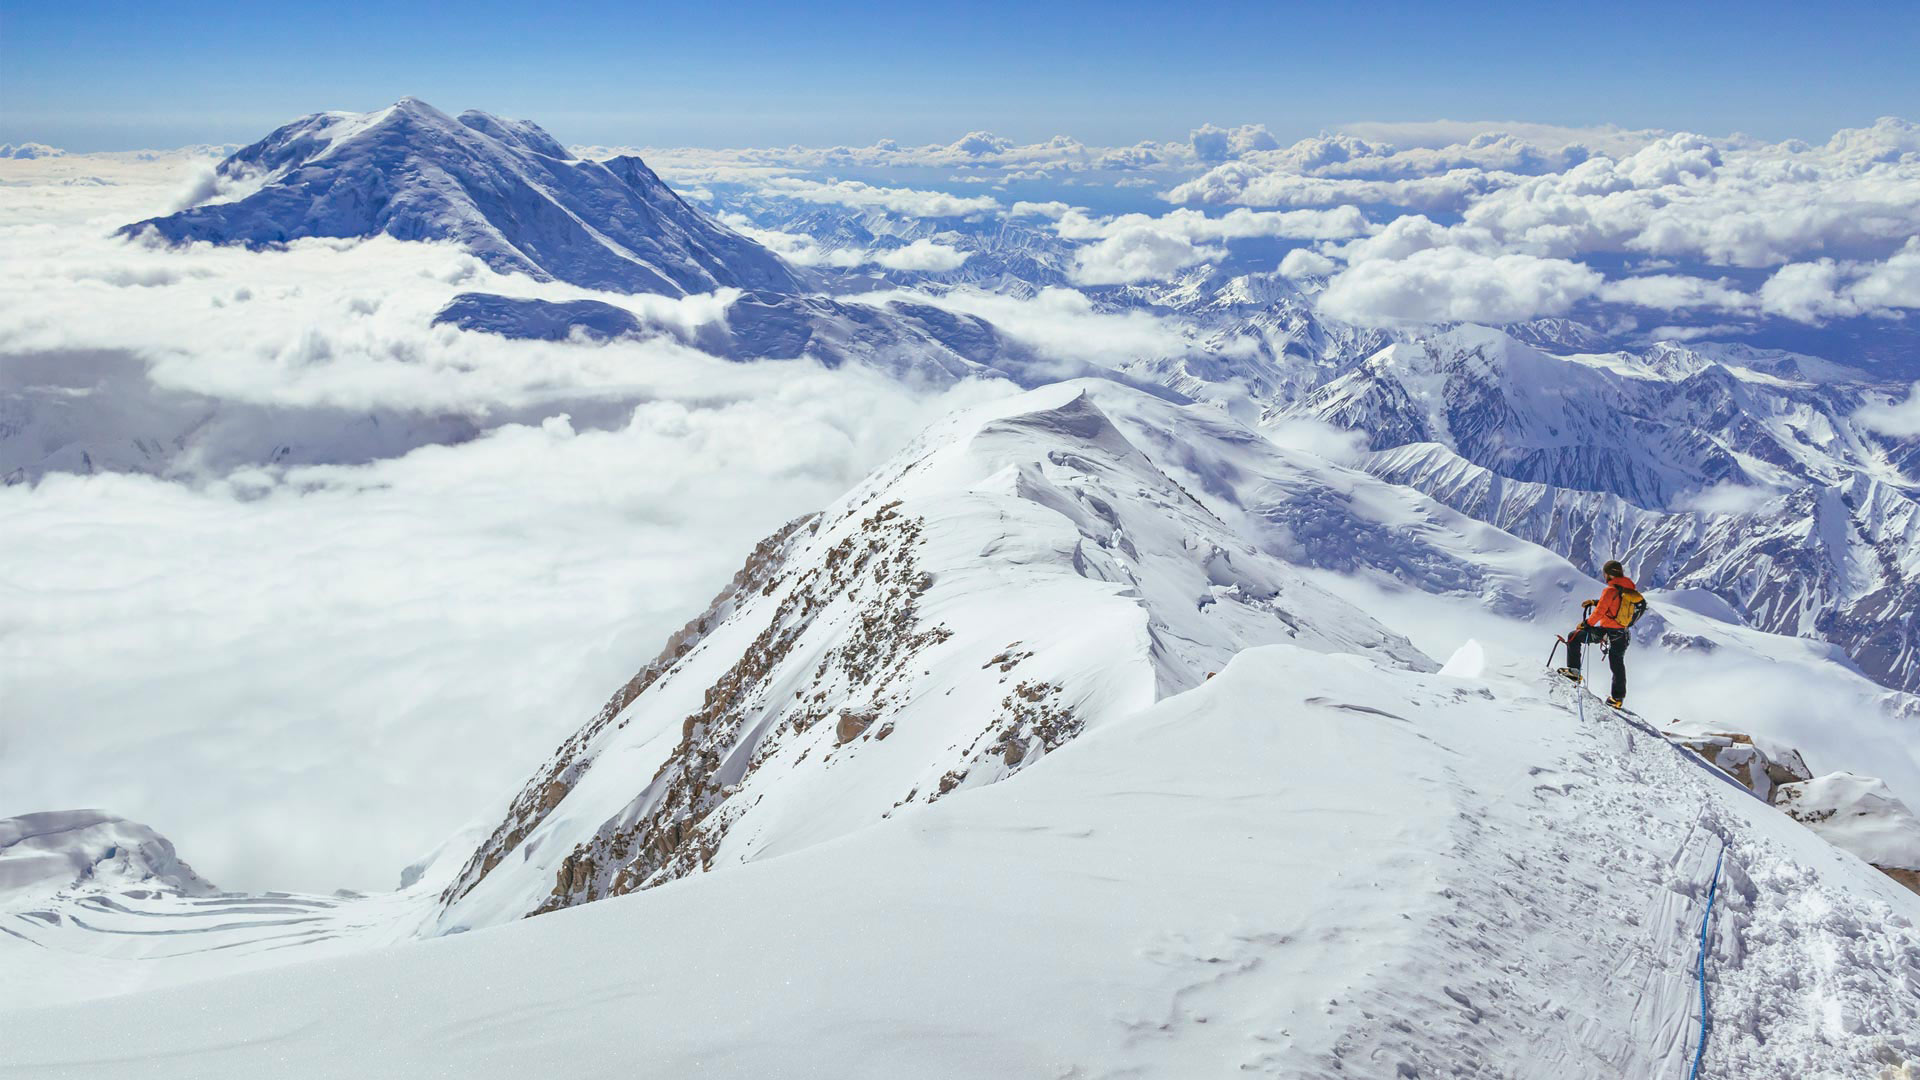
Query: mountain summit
{"x": 504, "y": 189}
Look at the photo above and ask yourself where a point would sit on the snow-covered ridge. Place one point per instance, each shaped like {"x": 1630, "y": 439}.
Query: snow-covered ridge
{"x": 504, "y": 189}
{"x": 1056, "y": 561}
{"x": 1028, "y": 558}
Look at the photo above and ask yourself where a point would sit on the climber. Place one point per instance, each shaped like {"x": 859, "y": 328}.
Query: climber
{"x": 1605, "y": 622}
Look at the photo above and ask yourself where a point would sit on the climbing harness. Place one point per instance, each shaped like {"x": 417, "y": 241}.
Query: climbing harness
{"x": 1700, "y": 964}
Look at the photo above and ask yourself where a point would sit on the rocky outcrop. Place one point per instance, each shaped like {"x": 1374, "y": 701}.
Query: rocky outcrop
{"x": 1859, "y": 814}
{"x": 546, "y": 790}
{"x": 673, "y": 827}
{"x": 1761, "y": 771}
{"x": 1854, "y": 813}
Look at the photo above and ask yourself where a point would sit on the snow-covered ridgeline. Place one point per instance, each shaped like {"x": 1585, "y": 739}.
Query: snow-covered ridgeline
{"x": 1056, "y": 561}
{"x": 1022, "y": 573}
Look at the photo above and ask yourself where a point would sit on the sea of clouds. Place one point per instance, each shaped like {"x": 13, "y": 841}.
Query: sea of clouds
{"x": 309, "y": 673}
{"x": 1419, "y": 223}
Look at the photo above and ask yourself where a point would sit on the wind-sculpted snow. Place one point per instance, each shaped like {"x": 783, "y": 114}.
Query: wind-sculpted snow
{"x": 501, "y": 188}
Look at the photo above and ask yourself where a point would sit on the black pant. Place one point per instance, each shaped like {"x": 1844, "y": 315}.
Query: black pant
{"x": 1616, "y": 641}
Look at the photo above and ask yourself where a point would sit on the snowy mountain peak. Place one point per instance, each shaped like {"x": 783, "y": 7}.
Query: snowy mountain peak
{"x": 504, "y": 189}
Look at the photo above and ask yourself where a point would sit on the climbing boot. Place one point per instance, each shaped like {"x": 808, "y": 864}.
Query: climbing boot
{"x": 1616, "y": 703}
{"x": 1570, "y": 674}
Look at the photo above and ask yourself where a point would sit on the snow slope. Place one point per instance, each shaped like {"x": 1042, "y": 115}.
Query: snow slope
{"x": 1309, "y": 866}
{"x": 504, "y": 189}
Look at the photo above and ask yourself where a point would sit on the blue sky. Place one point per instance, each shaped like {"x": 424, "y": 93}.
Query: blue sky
{"x": 123, "y": 75}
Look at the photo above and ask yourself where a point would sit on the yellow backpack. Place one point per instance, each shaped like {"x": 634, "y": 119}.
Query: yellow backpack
{"x": 1632, "y": 606}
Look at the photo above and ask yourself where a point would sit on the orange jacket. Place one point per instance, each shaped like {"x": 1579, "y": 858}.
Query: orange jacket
{"x": 1605, "y": 613}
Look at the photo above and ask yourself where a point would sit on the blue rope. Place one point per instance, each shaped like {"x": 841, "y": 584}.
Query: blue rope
{"x": 1700, "y": 967}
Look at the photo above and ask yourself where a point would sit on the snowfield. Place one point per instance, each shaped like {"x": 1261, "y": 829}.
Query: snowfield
{"x": 1307, "y": 866}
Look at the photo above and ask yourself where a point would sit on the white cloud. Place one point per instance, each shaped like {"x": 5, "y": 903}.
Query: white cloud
{"x": 1808, "y": 292}
{"x": 1061, "y": 324}
{"x": 922, "y": 254}
{"x": 1440, "y": 134}
{"x": 1405, "y": 235}
{"x": 1726, "y": 497}
{"x": 1825, "y": 289}
{"x": 1305, "y": 262}
{"x": 974, "y": 151}
{"x": 307, "y": 679}
{"x": 1688, "y": 197}
{"x": 981, "y": 144}
{"x": 1900, "y": 419}
{"x": 1695, "y": 333}
{"x": 1051, "y": 209}
{"x": 1338, "y": 223}
{"x": 1733, "y": 201}
{"x": 1139, "y": 247}
{"x": 1676, "y": 292}
{"x": 1338, "y": 445}
{"x": 801, "y": 250}
{"x": 910, "y": 202}
{"x": 797, "y": 248}
{"x": 1212, "y": 143}
{"x": 1138, "y": 253}
{"x": 1247, "y": 183}
{"x": 1451, "y": 284}
{"x": 27, "y": 151}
